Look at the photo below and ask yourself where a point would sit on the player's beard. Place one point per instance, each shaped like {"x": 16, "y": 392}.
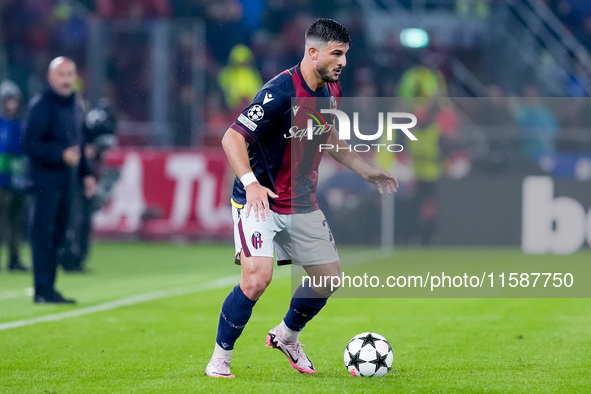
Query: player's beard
{"x": 325, "y": 74}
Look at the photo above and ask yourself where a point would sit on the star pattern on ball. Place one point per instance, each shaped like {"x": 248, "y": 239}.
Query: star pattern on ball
{"x": 380, "y": 361}
{"x": 355, "y": 359}
{"x": 369, "y": 339}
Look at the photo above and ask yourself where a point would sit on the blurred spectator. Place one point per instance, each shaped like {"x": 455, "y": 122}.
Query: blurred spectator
{"x": 224, "y": 28}
{"x": 494, "y": 114}
{"x": 216, "y": 118}
{"x": 574, "y": 118}
{"x": 189, "y": 8}
{"x": 578, "y": 83}
{"x": 12, "y": 166}
{"x": 184, "y": 100}
{"x": 564, "y": 11}
{"x": 69, "y": 25}
{"x": 423, "y": 90}
{"x": 133, "y": 9}
{"x": 435, "y": 130}
{"x": 576, "y": 15}
{"x": 537, "y": 126}
{"x": 252, "y": 14}
{"x": 390, "y": 63}
{"x": 55, "y": 145}
{"x": 584, "y": 33}
{"x": 240, "y": 80}
{"x": 99, "y": 136}
{"x": 424, "y": 80}
{"x": 357, "y": 59}
{"x": 292, "y": 38}
{"x": 25, "y": 34}
{"x": 32, "y": 31}
{"x": 468, "y": 8}
{"x": 128, "y": 73}
{"x": 183, "y": 116}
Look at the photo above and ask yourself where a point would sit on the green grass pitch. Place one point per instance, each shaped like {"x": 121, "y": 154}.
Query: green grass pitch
{"x": 162, "y": 345}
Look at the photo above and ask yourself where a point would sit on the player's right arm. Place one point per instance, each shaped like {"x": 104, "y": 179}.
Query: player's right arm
{"x": 257, "y": 196}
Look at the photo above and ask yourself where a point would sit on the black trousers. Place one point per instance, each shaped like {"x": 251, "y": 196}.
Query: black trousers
{"x": 424, "y": 212}
{"x": 12, "y": 204}
{"x": 75, "y": 250}
{"x": 49, "y": 219}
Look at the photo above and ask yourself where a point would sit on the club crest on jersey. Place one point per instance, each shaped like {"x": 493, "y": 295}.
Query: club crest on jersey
{"x": 257, "y": 240}
{"x": 256, "y": 112}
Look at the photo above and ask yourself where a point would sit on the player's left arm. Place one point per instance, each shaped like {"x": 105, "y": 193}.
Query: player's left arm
{"x": 350, "y": 159}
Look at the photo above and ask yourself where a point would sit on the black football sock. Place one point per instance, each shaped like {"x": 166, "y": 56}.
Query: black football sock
{"x": 235, "y": 313}
{"x": 305, "y": 304}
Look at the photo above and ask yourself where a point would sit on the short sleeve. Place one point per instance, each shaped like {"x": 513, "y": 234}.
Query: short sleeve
{"x": 268, "y": 105}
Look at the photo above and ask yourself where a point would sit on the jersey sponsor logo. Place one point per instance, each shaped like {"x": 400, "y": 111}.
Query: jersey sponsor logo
{"x": 300, "y": 134}
{"x": 268, "y": 97}
{"x": 247, "y": 122}
{"x": 295, "y": 109}
{"x": 257, "y": 240}
{"x": 321, "y": 127}
{"x": 256, "y": 112}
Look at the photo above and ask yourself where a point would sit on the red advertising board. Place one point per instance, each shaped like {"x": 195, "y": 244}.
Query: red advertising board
{"x": 162, "y": 194}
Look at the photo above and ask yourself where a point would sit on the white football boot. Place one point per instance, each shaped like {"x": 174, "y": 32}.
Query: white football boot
{"x": 219, "y": 368}
{"x": 293, "y": 350}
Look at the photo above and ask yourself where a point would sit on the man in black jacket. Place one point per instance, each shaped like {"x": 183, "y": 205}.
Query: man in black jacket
{"x": 54, "y": 143}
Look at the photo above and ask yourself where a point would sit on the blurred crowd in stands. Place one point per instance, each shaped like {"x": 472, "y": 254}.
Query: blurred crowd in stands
{"x": 576, "y": 15}
{"x": 247, "y": 42}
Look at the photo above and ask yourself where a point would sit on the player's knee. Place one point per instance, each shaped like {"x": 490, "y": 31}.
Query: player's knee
{"x": 327, "y": 291}
{"x": 334, "y": 287}
{"x": 256, "y": 286}
{"x": 326, "y": 286}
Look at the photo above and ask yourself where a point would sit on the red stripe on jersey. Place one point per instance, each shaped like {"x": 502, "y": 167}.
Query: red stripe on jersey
{"x": 282, "y": 204}
{"x": 242, "y": 131}
{"x": 298, "y": 156}
{"x": 299, "y": 88}
{"x": 243, "y": 239}
{"x": 294, "y": 155}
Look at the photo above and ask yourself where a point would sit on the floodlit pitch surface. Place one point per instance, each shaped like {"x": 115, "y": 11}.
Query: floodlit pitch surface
{"x": 147, "y": 318}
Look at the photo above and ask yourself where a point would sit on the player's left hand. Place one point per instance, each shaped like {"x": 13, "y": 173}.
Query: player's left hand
{"x": 382, "y": 179}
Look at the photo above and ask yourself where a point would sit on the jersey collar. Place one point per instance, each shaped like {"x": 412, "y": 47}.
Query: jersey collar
{"x": 318, "y": 92}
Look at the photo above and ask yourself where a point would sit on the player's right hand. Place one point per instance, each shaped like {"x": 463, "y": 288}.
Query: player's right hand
{"x": 257, "y": 198}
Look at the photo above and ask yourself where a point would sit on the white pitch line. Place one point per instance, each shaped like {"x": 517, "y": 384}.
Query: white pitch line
{"x": 156, "y": 295}
{"x": 137, "y": 299}
{"x": 16, "y": 293}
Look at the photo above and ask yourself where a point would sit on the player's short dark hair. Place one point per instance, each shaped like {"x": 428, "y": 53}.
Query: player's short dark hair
{"x": 328, "y": 30}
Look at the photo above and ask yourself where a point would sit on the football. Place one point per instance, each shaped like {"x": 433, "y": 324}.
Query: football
{"x": 368, "y": 354}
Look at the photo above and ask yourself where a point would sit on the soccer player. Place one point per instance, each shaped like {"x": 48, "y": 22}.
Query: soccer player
{"x": 266, "y": 204}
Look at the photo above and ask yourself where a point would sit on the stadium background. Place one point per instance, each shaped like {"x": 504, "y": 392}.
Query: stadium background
{"x": 165, "y": 67}
{"x": 148, "y": 310}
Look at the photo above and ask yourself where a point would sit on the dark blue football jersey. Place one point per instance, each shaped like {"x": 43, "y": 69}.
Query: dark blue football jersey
{"x": 280, "y": 155}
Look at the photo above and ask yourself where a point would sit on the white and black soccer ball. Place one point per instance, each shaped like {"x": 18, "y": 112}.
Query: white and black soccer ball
{"x": 368, "y": 354}
{"x": 256, "y": 112}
